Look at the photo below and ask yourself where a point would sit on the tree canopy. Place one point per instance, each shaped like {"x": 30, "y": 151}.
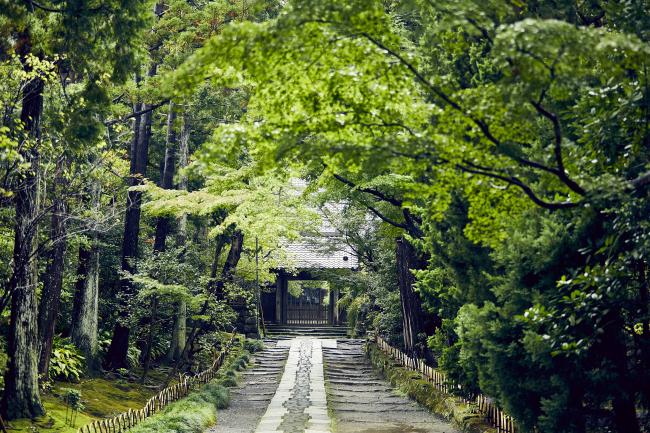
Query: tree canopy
{"x": 491, "y": 160}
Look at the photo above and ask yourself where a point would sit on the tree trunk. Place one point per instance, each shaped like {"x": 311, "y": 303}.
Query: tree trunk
{"x": 228, "y": 271}
{"x": 643, "y": 340}
{"x": 117, "y": 352}
{"x": 162, "y": 227}
{"x": 613, "y": 352}
{"x": 179, "y": 330}
{"x": 236, "y": 245}
{"x": 49, "y": 304}
{"x": 21, "y": 398}
{"x": 407, "y": 260}
{"x": 152, "y": 332}
{"x": 85, "y": 305}
{"x": 167, "y": 180}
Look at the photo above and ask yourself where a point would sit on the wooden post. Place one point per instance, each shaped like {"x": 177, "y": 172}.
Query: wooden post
{"x": 283, "y": 285}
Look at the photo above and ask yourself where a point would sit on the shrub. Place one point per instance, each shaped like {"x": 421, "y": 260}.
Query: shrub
{"x": 253, "y": 346}
{"x": 192, "y": 414}
{"x": 66, "y": 361}
{"x": 72, "y": 399}
{"x": 228, "y": 381}
{"x": 240, "y": 364}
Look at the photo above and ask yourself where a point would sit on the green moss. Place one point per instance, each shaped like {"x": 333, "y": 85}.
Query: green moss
{"x": 101, "y": 397}
{"x": 53, "y": 421}
{"x": 414, "y": 386}
{"x": 192, "y": 414}
{"x": 104, "y": 398}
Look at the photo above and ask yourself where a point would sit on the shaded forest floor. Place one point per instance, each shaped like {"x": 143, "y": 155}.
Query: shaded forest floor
{"x": 102, "y": 397}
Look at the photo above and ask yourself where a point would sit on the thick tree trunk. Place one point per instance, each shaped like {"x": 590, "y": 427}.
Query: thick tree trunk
{"x": 51, "y": 295}
{"x": 407, "y": 260}
{"x": 117, "y": 352}
{"x": 21, "y": 398}
{"x": 85, "y": 305}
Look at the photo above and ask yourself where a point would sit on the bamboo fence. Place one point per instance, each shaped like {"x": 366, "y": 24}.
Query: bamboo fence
{"x": 495, "y": 416}
{"x": 131, "y": 418}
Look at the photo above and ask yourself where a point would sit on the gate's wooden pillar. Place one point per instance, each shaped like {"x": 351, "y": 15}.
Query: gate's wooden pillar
{"x": 331, "y": 320}
{"x": 278, "y": 298}
{"x": 335, "y": 307}
{"x": 284, "y": 284}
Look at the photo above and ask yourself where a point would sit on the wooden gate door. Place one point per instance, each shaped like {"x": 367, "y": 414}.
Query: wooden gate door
{"x": 309, "y": 308}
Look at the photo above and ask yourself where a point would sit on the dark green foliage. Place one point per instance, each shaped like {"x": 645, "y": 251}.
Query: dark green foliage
{"x": 228, "y": 380}
{"x": 253, "y": 346}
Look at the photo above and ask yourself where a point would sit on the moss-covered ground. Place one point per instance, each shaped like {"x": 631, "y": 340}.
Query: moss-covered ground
{"x": 416, "y": 387}
{"x": 107, "y": 396}
{"x": 198, "y": 411}
{"x": 102, "y": 397}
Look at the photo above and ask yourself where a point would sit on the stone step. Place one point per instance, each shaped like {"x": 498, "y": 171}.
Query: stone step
{"x": 362, "y": 402}
{"x": 283, "y": 331}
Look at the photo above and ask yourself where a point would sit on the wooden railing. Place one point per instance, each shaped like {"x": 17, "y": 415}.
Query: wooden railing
{"x": 495, "y": 416}
{"x": 131, "y": 418}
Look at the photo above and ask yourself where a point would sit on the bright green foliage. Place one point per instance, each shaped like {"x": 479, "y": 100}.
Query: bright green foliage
{"x": 517, "y": 134}
{"x": 507, "y": 140}
{"x": 267, "y": 208}
{"x": 67, "y": 362}
{"x": 163, "y": 275}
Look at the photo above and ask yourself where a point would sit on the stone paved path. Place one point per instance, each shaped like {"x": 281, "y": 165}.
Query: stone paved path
{"x": 299, "y": 404}
{"x": 249, "y": 401}
{"x": 285, "y": 391}
{"x": 362, "y": 402}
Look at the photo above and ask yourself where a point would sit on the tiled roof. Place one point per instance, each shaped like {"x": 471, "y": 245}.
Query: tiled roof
{"x": 325, "y": 251}
{"x": 313, "y": 255}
